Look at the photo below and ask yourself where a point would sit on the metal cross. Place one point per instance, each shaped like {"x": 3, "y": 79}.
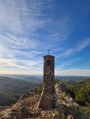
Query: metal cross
{"x": 48, "y": 51}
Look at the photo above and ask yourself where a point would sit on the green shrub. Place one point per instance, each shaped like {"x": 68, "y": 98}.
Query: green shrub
{"x": 1, "y": 114}
{"x": 83, "y": 94}
{"x": 56, "y": 81}
{"x": 86, "y": 110}
{"x": 60, "y": 97}
{"x": 38, "y": 90}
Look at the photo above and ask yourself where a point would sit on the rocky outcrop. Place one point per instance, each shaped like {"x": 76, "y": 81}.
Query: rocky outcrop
{"x": 64, "y": 96}
{"x": 3, "y": 108}
{"x": 27, "y": 107}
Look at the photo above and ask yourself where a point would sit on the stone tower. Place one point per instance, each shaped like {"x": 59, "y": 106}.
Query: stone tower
{"x": 47, "y": 99}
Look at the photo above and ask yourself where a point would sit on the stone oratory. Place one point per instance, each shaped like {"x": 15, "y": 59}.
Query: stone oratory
{"x": 47, "y": 99}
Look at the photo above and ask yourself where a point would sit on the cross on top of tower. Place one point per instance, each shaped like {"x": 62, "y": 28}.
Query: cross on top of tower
{"x": 48, "y": 51}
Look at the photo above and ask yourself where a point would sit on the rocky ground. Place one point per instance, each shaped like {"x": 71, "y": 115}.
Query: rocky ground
{"x": 27, "y": 107}
{"x": 4, "y": 107}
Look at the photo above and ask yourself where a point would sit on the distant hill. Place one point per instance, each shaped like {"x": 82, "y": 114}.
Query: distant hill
{"x": 11, "y": 89}
{"x": 38, "y": 79}
{"x": 71, "y": 79}
{"x": 33, "y": 79}
{"x": 13, "y": 86}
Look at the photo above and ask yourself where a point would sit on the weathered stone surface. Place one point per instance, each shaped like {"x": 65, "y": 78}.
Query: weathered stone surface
{"x": 63, "y": 96}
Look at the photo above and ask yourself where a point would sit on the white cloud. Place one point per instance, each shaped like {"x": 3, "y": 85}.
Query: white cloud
{"x": 17, "y": 59}
{"x": 25, "y": 66}
{"x": 83, "y": 44}
{"x": 12, "y": 41}
{"x": 66, "y": 53}
{"x": 67, "y": 63}
{"x": 79, "y": 47}
{"x": 20, "y": 16}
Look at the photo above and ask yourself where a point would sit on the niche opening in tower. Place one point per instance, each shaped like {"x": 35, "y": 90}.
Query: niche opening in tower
{"x": 48, "y": 62}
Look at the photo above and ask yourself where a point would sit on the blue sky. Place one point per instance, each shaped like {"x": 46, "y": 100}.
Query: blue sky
{"x": 28, "y": 28}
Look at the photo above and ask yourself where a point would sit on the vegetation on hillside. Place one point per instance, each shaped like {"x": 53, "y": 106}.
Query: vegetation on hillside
{"x": 11, "y": 89}
{"x": 82, "y": 94}
{"x": 81, "y": 90}
{"x": 38, "y": 90}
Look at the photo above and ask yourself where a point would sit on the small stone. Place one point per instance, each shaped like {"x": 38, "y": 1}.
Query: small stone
{"x": 56, "y": 116}
{"x": 69, "y": 117}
